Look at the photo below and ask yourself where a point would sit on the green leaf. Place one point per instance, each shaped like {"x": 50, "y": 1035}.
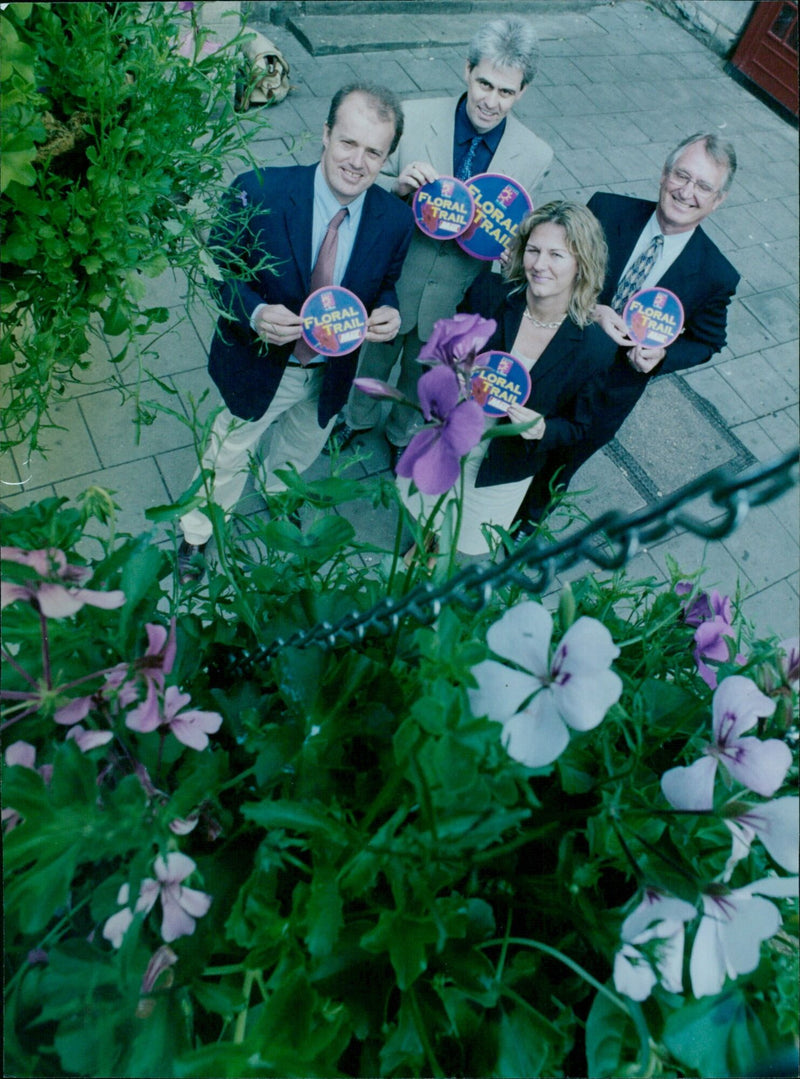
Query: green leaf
{"x": 720, "y": 1036}
{"x": 610, "y": 1039}
{"x": 324, "y": 909}
{"x": 406, "y": 939}
{"x": 523, "y": 1044}
{"x": 302, "y": 817}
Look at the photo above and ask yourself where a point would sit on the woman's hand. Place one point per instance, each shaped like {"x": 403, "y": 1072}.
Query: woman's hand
{"x": 612, "y": 324}
{"x": 520, "y": 414}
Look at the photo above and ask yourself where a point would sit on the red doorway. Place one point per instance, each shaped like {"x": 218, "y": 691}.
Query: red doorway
{"x": 767, "y": 52}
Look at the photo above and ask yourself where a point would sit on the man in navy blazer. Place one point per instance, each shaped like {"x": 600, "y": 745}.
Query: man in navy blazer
{"x": 694, "y": 182}
{"x": 271, "y": 233}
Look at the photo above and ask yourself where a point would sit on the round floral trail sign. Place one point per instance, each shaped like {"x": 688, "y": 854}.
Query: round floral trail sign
{"x": 500, "y": 205}
{"x": 334, "y": 321}
{"x": 443, "y": 209}
{"x": 499, "y": 380}
{"x": 654, "y": 317}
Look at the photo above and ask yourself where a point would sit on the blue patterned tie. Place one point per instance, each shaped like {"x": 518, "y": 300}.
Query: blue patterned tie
{"x": 465, "y": 168}
{"x": 632, "y": 281}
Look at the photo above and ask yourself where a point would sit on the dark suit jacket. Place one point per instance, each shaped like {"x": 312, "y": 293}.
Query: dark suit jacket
{"x": 561, "y": 381}
{"x": 704, "y": 281}
{"x": 701, "y": 277}
{"x": 278, "y": 203}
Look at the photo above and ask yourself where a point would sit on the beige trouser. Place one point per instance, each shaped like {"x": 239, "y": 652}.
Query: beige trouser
{"x": 296, "y": 439}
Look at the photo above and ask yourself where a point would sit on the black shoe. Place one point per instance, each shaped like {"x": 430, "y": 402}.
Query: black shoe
{"x": 342, "y": 434}
{"x": 190, "y": 564}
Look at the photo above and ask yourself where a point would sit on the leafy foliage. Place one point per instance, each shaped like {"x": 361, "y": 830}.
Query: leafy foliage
{"x": 392, "y": 894}
{"x": 114, "y": 146}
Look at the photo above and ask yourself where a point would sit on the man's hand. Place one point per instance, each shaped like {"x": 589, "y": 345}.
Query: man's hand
{"x": 415, "y": 175}
{"x": 277, "y": 324}
{"x": 613, "y": 324}
{"x": 645, "y": 359}
{"x": 520, "y": 414}
{"x": 383, "y": 324}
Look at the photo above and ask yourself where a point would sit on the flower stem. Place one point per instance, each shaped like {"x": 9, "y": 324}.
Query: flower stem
{"x": 241, "y": 1018}
{"x": 422, "y": 1033}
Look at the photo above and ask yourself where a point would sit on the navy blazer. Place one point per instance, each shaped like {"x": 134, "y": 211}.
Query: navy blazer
{"x": 278, "y": 205}
{"x": 561, "y": 381}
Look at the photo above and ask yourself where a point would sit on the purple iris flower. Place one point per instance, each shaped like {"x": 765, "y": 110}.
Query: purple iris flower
{"x": 433, "y": 456}
{"x": 456, "y": 341}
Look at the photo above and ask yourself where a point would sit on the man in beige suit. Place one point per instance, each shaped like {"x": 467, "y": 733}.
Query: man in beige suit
{"x": 443, "y": 137}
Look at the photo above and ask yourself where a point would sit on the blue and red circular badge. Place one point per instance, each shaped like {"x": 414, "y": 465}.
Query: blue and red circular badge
{"x": 443, "y": 209}
{"x": 500, "y": 205}
{"x": 654, "y": 317}
{"x": 334, "y": 321}
{"x": 499, "y": 380}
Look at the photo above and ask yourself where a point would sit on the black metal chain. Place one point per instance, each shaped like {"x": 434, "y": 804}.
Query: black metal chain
{"x": 620, "y": 538}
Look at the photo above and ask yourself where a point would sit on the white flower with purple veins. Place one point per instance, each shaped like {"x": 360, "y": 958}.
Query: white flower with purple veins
{"x": 734, "y": 923}
{"x": 761, "y": 766}
{"x": 655, "y": 929}
{"x": 775, "y": 823}
{"x": 540, "y": 703}
{"x": 180, "y": 905}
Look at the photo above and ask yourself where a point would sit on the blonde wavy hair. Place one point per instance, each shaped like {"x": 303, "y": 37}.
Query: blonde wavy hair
{"x": 585, "y": 241}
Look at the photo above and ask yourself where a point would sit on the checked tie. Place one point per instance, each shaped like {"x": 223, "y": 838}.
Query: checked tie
{"x": 632, "y": 281}
{"x": 465, "y": 168}
{"x": 322, "y": 274}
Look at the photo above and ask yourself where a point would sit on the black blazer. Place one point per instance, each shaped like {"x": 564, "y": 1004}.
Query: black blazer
{"x": 561, "y": 381}
{"x": 246, "y": 370}
{"x": 700, "y": 276}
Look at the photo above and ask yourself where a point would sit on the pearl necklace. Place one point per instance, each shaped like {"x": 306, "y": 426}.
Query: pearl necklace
{"x": 543, "y": 325}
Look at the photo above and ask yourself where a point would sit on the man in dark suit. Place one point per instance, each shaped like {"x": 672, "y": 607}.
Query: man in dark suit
{"x": 663, "y": 239}
{"x": 277, "y": 222}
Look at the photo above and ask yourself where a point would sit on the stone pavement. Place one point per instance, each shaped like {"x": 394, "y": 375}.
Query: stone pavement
{"x": 619, "y": 85}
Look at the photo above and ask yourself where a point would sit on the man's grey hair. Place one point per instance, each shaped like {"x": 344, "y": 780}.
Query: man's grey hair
{"x": 385, "y": 102}
{"x": 507, "y": 42}
{"x": 719, "y": 150}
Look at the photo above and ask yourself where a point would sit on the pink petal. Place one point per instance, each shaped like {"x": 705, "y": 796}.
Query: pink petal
{"x": 147, "y": 717}
{"x": 174, "y": 700}
{"x": 194, "y": 902}
{"x": 73, "y": 712}
{"x": 175, "y": 868}
{"x": 10, "y": 592}
{"x": 89, "y": 739}
{"x": 117, "y": 926}
{"x": 374, "y": 387}
{"x": 193, "y": 727}
{"x": 693, "y": 787}
{"x": 21, "y": 753}
{"x": 175, "y": 921}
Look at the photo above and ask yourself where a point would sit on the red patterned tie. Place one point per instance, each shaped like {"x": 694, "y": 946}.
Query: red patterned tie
{"x": 322, "y": 275}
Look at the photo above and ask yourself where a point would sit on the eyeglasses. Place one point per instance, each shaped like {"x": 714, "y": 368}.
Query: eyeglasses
{"x": 702, "y": 190}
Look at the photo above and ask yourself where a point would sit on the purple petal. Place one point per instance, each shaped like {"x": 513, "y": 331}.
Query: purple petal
{"x": 464, "y": 427}
{"x": 419, "y": 445}
{"x": 437, "y": 470}
{"x": 375, "y": 387}
{"x": 438, "y": 392}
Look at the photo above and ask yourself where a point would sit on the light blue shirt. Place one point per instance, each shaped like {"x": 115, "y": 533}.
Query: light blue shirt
{"x": 326, "y": 206}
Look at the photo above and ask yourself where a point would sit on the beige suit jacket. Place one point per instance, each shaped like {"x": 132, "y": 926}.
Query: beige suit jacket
{"x": 437, "y": 273}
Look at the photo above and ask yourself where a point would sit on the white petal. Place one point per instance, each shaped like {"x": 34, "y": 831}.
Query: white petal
{"x": 523, "y": 634}
{"x": 656, "y": 908}
{"x": 779, "y": 887}
{"x": 583, "y": 700}
{"x": 759, "y": 766}
{"x": 754, "y": 919}
{"x": 537, "y": 736}
{"x": 588, "y": 646}
{"x": 777, "y": 824}
{"x": 633, "y": 975}
{"x": 707, "y": 963}
{"x": 500, "y": 691}
{"x": 692, "y": 787}
{"x": 670, "y": 958}
{"x": 736, "y": 707}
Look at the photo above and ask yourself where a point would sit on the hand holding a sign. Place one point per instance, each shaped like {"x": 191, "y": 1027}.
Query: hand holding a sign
{"x": 413, "y": 176}
{"x": 645, "y": 359}
{"x": 383, "y": 324}
{"x": 520, "y": 414}
{"x": 277, "y": 324}
{"x": 612, "y": 324}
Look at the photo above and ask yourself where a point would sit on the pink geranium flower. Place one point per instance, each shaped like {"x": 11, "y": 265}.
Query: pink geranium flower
{"x": 50, "y": 593}
{"x": 191, "y": 727}
{"x": 180, "y": 905}
{"x": 538, "y": 706}
{"x": 433, "y": 456}
{"x": 761, "y": 766}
